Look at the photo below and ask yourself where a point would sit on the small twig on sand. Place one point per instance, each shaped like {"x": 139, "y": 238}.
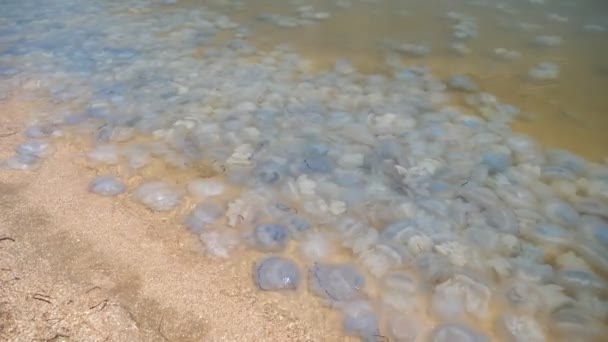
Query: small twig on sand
{"x": 4, "y": 135}
{"x": 54, "y": 338}
{"x": 160, "y": 328}
{"x": 7, "y": 239}
{"x": 101, "y": 305}
{"x": 42, "y": 298}
{"x": 92, "y": 289}
{"x": 135, "y": 322}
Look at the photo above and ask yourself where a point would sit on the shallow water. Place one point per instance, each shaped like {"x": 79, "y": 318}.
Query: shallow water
{"x": 565, "y": 113}
{"x": 353, "y": 138}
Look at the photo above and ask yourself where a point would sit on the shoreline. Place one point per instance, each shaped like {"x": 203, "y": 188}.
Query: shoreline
{"x": 116, "y": 272}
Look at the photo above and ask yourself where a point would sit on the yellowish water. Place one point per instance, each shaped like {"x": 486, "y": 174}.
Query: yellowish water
{"x": 570, "y": 112}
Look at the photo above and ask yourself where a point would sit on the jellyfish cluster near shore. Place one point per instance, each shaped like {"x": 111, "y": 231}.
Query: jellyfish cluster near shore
{"x": 413, "y": 218}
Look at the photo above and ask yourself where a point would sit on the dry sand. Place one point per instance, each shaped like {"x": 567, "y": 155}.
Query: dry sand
{"x": 77, "y": 267}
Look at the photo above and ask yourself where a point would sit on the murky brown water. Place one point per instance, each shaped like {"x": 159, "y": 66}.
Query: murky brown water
{"x": 570, "y": 112}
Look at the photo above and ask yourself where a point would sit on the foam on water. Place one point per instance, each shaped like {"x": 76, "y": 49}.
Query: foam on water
{"x": 414, "y": 219}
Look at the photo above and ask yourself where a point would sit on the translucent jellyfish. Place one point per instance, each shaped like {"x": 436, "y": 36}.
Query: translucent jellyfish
{"x": 561, "y": 213}
{"x": 462, "y": 83}
{"x": 506, "y": 54}
{"x": 502, "y": 218}
{"x": 549, "y": 233}
{"x": 245, "y": 210}
{"x": 348, "y": 178}
{"x": 567, "y": 160}
{"x": 122, "y": 134}
{"x": 107, "y": 154}
{"x": 219, "y": 242}
{"x": 279, "y": 211}
{"x": 524, "y": 149}
{"x": 383, "y": 257}
{"x": 203, "y": 215}
{"x": 548, "y": 41}
{"x": 433, "y": 267}
{"x": 581, "y": 280}
{"x": 356, "y": 234}
{"x": 479, "y": 195}
{"x": 595, "y": 229}
{"x": 276, "y": 273}
{"x": 399, "y": 291}
{"x": 459, "y": 48}
{"x": 544, "y": 71}
{"x": 522, "y": 296}
{"x": 453, "y": 332}
{"x": 592, "y": 206}
{"x": 344, "y": 66}
{"x": 107, "y": 186}
{"x": 316, "y": 149}
{"x": 74, "y": 119}
{"x": 360, "y": 320}
{"x": 496, "y": 161}
{"x": 400, "y": 231}
{"x": 158, "y": 196}
{"x": 297, "y": 225}
{"x": 533, "y": 272}
{"x": 138, "y": 156}
{"x": 516, "y": 196}
{"x": 202, "y": 188}
{"x": 269, "y": 172}
{"x": 523, "y": 328}
{"x": 35, "y": 148}
{"x": 554, "y": 172}
{"x": 454, "y": 251}
{"x": 594, "y": 28}
{"x": 39, "y": 131}
{"x": 316, "y": 246}
{"x": 402, "y": 328}
{"x": 21, "y": 162}
{"x": 270, "y": 237}
{"x": 336, "y": 282}
{"x": 317, "y": 164}
{"x": 461, "y": 294}
{"x": 572, "y": 323}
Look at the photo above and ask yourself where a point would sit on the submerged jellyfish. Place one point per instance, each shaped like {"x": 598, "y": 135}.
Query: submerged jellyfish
{"x": 523, "y": 328}
{"x": 360, "y": 320}
{"x": 35, "y": 148}
{"x": 462, "y": 83}
{"x": 107, "y": 186}
{"x": 337, "y": 282}
{"x": 269, "y": 172}
{"x": 21, "y": 162}
{"x": 202, "y": 215}
{"x": 270, "y": 237}
{"x": 276, "y": 273}
{"x": 544, "y": 71}
{"x": 202, "y": 188}
{"x": 453, "y": 332}
{"x": 158, "y": 196}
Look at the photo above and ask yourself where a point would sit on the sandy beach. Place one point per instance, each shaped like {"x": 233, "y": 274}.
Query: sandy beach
{"x": 77, "y": 267}
{"x": 395, "y": 171}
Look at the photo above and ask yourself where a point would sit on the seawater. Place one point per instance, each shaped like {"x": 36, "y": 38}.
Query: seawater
{"x": 432, "y": 170}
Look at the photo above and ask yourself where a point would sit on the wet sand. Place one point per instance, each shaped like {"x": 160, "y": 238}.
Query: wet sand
{"x": 77, "y": 267}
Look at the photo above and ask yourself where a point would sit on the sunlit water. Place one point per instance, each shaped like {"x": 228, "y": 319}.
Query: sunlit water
{"x": 421, "y": 145}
